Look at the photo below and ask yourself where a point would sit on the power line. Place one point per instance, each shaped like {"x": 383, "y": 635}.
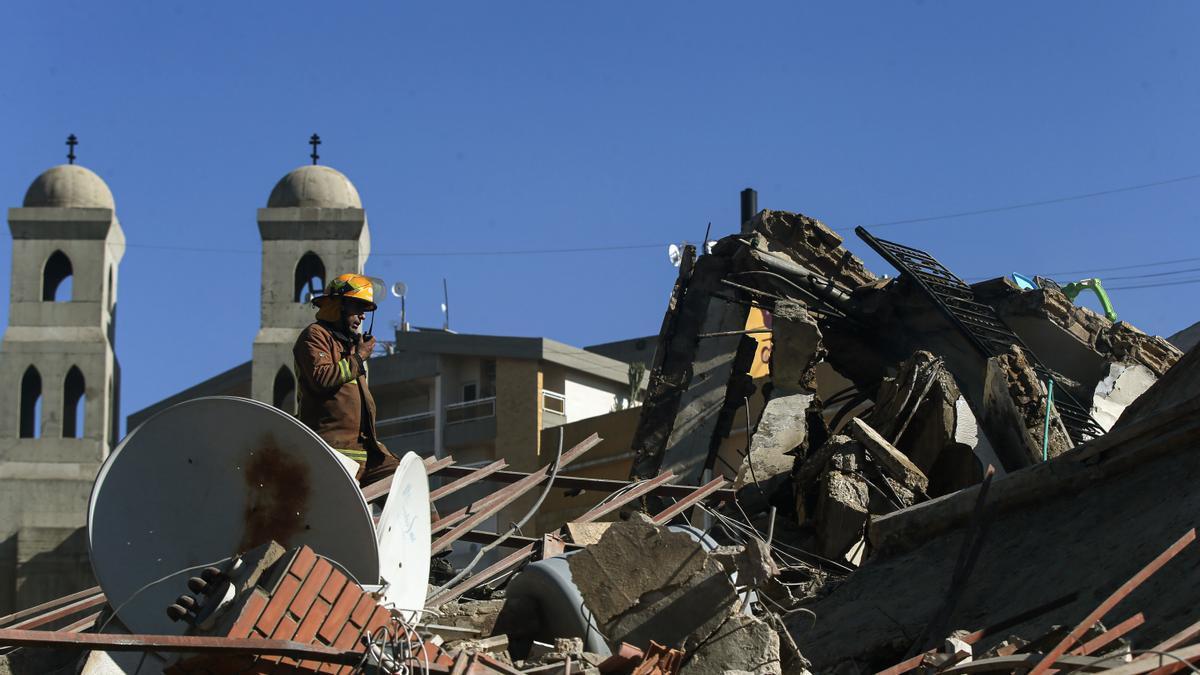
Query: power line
{"x": 1028, "y": 205}
{"x": 1165, "y": 283}
{"x": 625, "y": 247}
{"x": 1155, "y": 274}
{"x": 1148, "y": 275}
{"x": 1127, "y": 267}
{"x": 532, "y": 251}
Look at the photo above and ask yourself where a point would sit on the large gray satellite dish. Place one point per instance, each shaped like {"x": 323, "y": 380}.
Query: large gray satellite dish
{"x": 210, "y": 478}
{"x": 404, "y": 539}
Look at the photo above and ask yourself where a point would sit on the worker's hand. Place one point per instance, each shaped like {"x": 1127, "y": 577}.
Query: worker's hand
{"x": 364, "y": 347}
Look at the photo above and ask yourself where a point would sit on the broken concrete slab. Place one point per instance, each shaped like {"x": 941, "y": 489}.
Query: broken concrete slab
{"x": 782, "y": 429}
{"x": 1187, "y": 338}
{"x": 1180, "y": 384}
{"x": 1123, "y": 384}
{"x": 643, "y": 582}
{"x": 796, "y": 349}
{"x": 891, "y": 460}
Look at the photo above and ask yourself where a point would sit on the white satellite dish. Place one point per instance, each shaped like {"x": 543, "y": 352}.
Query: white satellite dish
{"x": 675, "y": 254}
{"x": 709, "y": 245}
{"x": 205, "y": 480}
{"x": 404, "y": 539}
{"x": 399, "y": 290}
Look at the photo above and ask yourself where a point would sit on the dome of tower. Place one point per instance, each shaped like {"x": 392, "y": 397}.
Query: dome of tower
{"x": 315, "y": 186}
{"x": 69, "y": 186}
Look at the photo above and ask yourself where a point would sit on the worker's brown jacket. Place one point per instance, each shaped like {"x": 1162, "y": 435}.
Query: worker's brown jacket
{"x": 334, "y": 397}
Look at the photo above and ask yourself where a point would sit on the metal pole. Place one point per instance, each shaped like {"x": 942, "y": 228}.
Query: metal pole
{"x": 749, "y": 206}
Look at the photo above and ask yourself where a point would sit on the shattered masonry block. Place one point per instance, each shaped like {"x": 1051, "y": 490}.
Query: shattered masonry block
{"x": 1015, "y": 412}
{"x": 811, "y": 244}
{"x": 923, "y": 395}
{"x": 843, "y": 506}
{"x": 741, "y": 643}
{"x": 892, "y": 461}
{"x": 1117, "y": 342}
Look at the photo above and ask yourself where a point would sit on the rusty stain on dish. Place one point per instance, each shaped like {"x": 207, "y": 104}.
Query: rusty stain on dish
{"x": 277, "y": 492}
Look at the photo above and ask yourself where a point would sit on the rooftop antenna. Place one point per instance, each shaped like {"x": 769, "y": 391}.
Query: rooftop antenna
{"x": 399, "y": 290}
{"x": 708, "y": 244}
{"x": 445, "y": 305}
{"x": 71, "y": 143}
{"x": 314, "y": 141}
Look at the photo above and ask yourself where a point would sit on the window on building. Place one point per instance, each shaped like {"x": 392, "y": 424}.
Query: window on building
{"x": 31, "y": 403}
{"x": 74, "y": 404}
{"x": 487, "y": 372}
{"x": 470, "y": 392}
{"x": 310, "y": 277}
{"x": 285, "y": 391}
{"x": 56, "y": 278}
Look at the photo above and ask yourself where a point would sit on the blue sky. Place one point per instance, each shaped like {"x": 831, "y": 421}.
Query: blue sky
{"x": 501, "y": 126}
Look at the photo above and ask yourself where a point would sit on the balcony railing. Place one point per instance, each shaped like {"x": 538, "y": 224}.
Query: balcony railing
{"x": 471, "y": 410}
{"x": 554, "y": 402}
{"x": 405, "y": 425}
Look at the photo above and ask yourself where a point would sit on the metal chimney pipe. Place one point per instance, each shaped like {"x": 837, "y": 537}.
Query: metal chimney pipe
{"x": 749, "y": 206}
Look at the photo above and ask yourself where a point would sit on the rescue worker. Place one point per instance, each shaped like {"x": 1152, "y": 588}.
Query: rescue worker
{"x": 331, "y": 367}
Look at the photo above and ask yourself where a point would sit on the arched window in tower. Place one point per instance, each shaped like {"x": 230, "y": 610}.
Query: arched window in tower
{"x": 31, "y": 403}
{"x": 285, "y": 391}
{"x": 56, "y": 278}
{"x": 310, "y": 277}
{"x": 74, "y": 400}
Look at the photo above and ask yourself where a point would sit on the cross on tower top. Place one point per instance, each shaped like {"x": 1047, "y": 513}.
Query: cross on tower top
{"x": 71, "y": 143}
{"x": 314, "y": 141}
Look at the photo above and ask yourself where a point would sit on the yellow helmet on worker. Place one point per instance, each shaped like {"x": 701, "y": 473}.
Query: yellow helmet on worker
{"x": 348, "y": 286}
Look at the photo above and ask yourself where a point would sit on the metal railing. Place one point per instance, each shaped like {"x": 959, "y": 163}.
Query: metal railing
{"x": 406, "y": 424}
{"x": 554, "y": 402}
{"x": 471, "y": 410}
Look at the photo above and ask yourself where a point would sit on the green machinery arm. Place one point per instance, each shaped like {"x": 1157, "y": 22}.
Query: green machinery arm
{"x": 1072, "y": 290}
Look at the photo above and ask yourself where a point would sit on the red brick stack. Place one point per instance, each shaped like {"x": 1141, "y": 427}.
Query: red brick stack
{"x": 312, "y": 603}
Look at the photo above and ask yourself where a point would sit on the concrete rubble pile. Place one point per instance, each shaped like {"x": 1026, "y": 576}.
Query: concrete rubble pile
{"x": 888, "y": 401}
{"x": 833, "y": 472}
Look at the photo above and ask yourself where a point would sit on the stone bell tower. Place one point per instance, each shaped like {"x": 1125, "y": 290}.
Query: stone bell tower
{"x": 58, "y": 407}
{"x": 313, "y": 229}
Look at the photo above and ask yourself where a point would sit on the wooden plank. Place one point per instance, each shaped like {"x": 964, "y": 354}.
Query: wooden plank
{"x": 497, "y": 568}
{"x": 49, "y": 605}
{"x": 475, "y": 476}
{"x": 510, "y": 494}
{"x": 111, "y": 642}
{"x": 687, "y": 502}
{"x": 1106, "y": 638}
{"x": 600, "y": 510}
{"x": 1111, "y": 601}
